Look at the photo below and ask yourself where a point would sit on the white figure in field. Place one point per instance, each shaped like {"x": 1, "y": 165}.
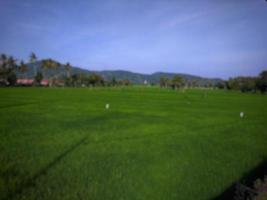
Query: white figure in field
{"x": 107, "y": 106}
{"x": 242, "y": 114}
{"x": 145, "y": 82}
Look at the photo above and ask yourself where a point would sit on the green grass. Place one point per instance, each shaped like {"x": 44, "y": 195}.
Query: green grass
{"x": 151, "y": 144}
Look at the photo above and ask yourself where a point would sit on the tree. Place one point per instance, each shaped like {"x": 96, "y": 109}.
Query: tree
{"x": 114, "y": 81}
{"x": 244, "y": 84}
{"x": 75, "y": 79}
{"x": 210, "y": 84}
{"x": 33, "y": 59}
{"x": 38, "y": 78}
{"x": 8, "y": 66}
{"x": 55, "y": 66}
{"x": 12, "y": 78}
{"x": 3, "y": 61}
{"x": 95, "y": 79}
{"x": 126, "y": 82}
{"x": 68, "y": 80}
{"x": 164, "y": 82}
{"x": 23, "y": 68}
{"x": 68, "y": 69}
{"x": 195, "y": 83}
{"x": 262, "y": 82}
{"x": 234, "y": 83}
{"x": 248, "y": 84}
{"x": 50, "y": 64}
{"x": 177, "y": 82}
{"x": 45, "y": 66}
{"x": 3, "y": 69}
{"x": 3, "y": 57}
{"x": 220, "y": 85}
{"x": 11, "y": 63}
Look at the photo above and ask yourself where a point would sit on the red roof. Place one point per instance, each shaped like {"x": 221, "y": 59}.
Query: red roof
{"x": 44, "y": 82}
{"x": 25, "y": 81}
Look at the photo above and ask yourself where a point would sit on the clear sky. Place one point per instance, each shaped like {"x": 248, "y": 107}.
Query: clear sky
{"x": 211, "y": 38}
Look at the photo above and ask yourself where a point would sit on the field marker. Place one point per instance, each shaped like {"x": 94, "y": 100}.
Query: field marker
{"x": 107, "y": 106}
{"x": 241, "y": 114}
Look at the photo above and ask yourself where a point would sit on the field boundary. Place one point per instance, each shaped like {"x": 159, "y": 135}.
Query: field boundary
{"x": 17, "y": 105}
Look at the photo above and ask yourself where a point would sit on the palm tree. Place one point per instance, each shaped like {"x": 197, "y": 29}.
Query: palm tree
{"x": 68, "y": 69}
{"x": 38, "y": 78}
{"x": 33, "y": 59}
{"x": 8, "y": 67}
{"x": 114, "y": 81}
{"x": 177, "y": 82}
{"x": 56, "y": 66}
{"x": 45, "y": 67}
{"x": 11, "y": 62}
{"x": 10, "y": 74}
{"x": 164, "y": 81}
{"x": 50, "y": 64}
{"x": 6, "y": 64}
{"x": 262, "y": 82}
{"x": 23, "y": 68}
{"x": 3, "y": 59}
{"x": 3, "y": 66}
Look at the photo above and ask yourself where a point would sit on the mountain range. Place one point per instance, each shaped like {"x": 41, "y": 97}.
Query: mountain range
{"x": 136, "y": 78}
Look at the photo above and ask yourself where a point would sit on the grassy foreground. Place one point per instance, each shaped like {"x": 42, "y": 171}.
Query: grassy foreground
{"x": 151, "y": 143}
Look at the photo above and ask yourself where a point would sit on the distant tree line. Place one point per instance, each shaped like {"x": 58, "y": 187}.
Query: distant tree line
{"x": 50, "y": 74}
{"x": 175, "y": 83}
{"x": 9, "y": 66}
{"x": 93, "y": 80}
{"x": 246, "y": 84}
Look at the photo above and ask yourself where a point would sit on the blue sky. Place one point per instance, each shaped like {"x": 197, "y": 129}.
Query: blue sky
{"x": 211, "y": 38}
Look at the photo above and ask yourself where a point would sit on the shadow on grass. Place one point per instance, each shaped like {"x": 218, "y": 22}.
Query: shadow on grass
{"x": 17, "y": 105}
{"x": 31, "y": 181}
{"x": 245, "y": 183}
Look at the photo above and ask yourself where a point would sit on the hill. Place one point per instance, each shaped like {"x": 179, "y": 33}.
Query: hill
{"x": 136, "y": 78}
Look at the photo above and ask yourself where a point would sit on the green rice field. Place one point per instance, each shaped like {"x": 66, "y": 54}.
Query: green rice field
{"x": 152, "y": 143}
